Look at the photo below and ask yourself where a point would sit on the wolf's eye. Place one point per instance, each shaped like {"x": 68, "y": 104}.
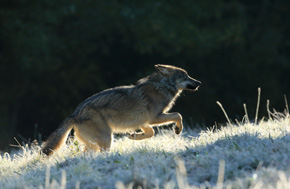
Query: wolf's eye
{"x": 182, "y": 77}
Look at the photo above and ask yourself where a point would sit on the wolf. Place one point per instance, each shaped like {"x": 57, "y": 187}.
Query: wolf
{"x": 125, "y": 109}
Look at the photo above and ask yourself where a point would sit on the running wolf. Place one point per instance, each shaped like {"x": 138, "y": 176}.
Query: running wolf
{"x": 125, "y": 109}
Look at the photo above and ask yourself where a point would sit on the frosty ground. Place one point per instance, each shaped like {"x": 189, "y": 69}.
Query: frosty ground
{"x": 241, "y": 155}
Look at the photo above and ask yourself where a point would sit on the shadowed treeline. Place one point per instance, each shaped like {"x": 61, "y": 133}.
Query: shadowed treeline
{"x": 54, "y": 54}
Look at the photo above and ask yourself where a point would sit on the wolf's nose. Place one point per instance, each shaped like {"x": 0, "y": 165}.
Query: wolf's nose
{"x": 198, "y": 83}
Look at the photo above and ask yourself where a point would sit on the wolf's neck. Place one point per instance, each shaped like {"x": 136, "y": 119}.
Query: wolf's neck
{"x": 172, "y": 101}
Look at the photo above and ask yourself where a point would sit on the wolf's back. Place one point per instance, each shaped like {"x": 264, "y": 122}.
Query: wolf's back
{"x": 58, "y": 137}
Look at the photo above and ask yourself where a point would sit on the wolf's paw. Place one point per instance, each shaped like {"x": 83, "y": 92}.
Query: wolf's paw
{"x": 135, "y": 136}
{"x": 132, "y": 136}
{"x": 177, "y": 130}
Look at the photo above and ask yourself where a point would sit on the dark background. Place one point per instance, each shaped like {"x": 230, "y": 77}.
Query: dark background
{"x": 54, "y": 54}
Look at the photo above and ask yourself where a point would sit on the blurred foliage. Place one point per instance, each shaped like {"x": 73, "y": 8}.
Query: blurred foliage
{"x": 54, "y": 54}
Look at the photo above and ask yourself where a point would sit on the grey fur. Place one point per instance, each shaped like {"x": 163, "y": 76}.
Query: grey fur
{"x": 126, "y": 108}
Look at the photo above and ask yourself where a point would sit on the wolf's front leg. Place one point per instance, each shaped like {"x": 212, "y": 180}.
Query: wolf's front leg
{"x": 169, "y": 118}
{"x": 147, "y": 133}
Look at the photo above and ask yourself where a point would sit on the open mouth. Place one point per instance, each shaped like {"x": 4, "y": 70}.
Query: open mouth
{"x": 192, "y": 87}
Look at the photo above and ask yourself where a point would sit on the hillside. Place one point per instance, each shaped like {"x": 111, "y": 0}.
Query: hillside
{"x": 240, "y": 156}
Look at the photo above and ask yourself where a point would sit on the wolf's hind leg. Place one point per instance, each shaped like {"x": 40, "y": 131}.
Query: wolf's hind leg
{"x": 94, "y": 136}
{"x": 147, "y": 133}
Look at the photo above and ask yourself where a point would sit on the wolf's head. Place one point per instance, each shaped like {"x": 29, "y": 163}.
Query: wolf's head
{"x": 178, "y": 77}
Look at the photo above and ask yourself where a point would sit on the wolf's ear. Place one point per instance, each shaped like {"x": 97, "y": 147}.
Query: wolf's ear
{"x": 164, "y": 69}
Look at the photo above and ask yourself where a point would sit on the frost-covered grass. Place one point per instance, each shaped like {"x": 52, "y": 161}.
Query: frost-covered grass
{"x": 238, "y": 156}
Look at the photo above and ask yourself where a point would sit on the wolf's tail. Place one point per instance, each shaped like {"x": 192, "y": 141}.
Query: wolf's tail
{"x": 58, "y": 137}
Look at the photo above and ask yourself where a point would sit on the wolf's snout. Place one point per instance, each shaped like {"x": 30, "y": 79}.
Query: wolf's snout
{"x": 198, "y": 83}
{"x": 193, "y": 86}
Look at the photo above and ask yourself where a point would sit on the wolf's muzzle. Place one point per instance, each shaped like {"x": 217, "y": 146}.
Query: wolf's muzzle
{"x": 193, "y": 86}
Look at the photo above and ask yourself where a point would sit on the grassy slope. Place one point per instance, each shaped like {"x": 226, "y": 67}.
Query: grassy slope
{"x": 253, "y": 156}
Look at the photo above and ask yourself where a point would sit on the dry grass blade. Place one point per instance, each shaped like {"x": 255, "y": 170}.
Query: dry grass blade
{"x": 221, "y": 174}
{"x": 246, "y": 113}
{"x": 258, "y": 105}
{"x": 286, "y": 102}
{"x": 226, "y": 115}
{"x": 268, "y": 109}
